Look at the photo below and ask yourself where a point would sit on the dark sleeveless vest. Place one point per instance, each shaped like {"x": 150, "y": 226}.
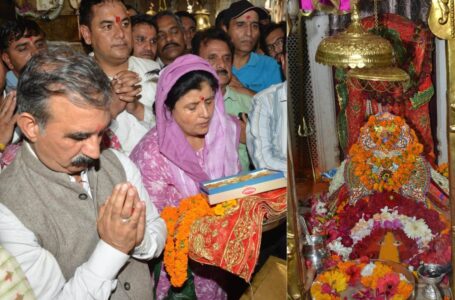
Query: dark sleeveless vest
{"x": 63, "y": 216}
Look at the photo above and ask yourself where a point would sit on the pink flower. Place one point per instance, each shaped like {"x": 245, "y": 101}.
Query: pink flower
{"x": 326, "y": 288}
{"x": 388, "y": 284}
{"x": 394, "y": 224}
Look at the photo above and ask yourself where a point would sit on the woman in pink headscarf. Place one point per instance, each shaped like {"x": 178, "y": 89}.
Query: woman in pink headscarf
{"x": 194, "y": 140}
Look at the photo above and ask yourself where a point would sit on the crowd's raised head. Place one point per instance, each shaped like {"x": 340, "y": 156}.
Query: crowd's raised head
{"x": 171, "y": 39}
{"x": 106, "y": 27}
{"x": 20, "y": 39}
{"x": 239, "y": 8}
{"x": 219, "y": 20}
{"x": 189, "y": 26}
{"x": 241, "y": 21}
{"x": 144, "y": 36}
{"x": 273, "y": 39}
{"x": 214, "y": 45}
{"x": 132, "y": 11}
{"x": 205, "y": 36}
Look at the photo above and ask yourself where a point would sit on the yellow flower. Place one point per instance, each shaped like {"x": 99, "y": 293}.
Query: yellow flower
{"x": 224, "y": 207}
{"x": 218, "y": 210}
{"x": 336, "y": 279}
{"x": 379, "y": 271}
{"x": 443, "y": 169}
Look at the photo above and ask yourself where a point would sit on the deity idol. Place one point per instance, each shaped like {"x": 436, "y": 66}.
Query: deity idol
{"x": 386, "y": 200}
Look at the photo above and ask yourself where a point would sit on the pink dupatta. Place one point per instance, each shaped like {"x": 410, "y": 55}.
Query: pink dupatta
{"x": 219, "y": 155}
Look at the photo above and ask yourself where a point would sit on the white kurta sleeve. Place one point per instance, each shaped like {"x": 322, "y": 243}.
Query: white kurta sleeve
{"x": 155, "y": 234}
{"x": 94, "y": 279}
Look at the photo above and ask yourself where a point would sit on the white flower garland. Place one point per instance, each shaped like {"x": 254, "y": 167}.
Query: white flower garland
{"x": 337, "y": 180}
{"x": 415, "y": 229}
{"x": 337, "y": 247}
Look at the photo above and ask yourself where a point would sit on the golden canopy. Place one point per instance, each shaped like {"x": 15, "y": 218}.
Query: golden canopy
{"x": 355, "y": 48}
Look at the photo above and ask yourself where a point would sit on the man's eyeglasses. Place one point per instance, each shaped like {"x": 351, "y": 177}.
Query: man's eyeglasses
{"x": 278, "y": 45}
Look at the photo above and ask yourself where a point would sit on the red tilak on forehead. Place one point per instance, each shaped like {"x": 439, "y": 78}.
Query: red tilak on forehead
{"x": 117, "y": 19}
{"x": 248, "y": 17}
{"x": 201, "y": 98}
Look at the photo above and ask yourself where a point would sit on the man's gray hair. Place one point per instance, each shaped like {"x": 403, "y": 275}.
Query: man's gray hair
{"x": 61, "y": 71}
{"x": 170, "y": 14}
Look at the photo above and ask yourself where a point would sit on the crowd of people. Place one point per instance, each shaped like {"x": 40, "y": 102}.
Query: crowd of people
{"x": 94, "y": 145}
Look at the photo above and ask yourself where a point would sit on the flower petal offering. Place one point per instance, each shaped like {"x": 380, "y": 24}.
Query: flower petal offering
{"x": 364, "y": 279}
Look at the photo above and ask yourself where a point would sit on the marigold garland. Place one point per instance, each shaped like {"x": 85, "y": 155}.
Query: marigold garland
{"x": 178, "y": 222}
{"x": 443, "y": 169}
{"x": 389, "y": 172}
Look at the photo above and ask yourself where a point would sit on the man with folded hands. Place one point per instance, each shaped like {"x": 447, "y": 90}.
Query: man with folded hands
{"x": 77, "y": 219}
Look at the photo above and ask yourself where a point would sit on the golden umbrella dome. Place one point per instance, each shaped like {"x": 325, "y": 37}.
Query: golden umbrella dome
{"x": 384, "y": 79}
{"x": 393, "y": 74}
{"x": 355, "y": 48}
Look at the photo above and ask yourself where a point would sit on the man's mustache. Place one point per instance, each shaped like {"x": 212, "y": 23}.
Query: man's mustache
{"x": 171, "y": 44}
{"x": 222, "y": 72}
{"x": 82, "y": 160}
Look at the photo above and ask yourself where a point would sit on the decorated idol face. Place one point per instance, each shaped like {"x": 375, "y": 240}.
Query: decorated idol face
{"x": 385, "y": 154}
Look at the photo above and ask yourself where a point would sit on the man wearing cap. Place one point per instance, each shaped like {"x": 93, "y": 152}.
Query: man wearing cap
{"x": 255, "y": 71}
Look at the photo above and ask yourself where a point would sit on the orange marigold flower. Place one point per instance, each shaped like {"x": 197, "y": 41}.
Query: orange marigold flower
{"x": 385, "y": 134}
{"x": 179, "y": 221}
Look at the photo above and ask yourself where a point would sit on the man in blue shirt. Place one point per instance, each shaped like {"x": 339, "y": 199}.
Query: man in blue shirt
{"x": 255, "y": 71}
